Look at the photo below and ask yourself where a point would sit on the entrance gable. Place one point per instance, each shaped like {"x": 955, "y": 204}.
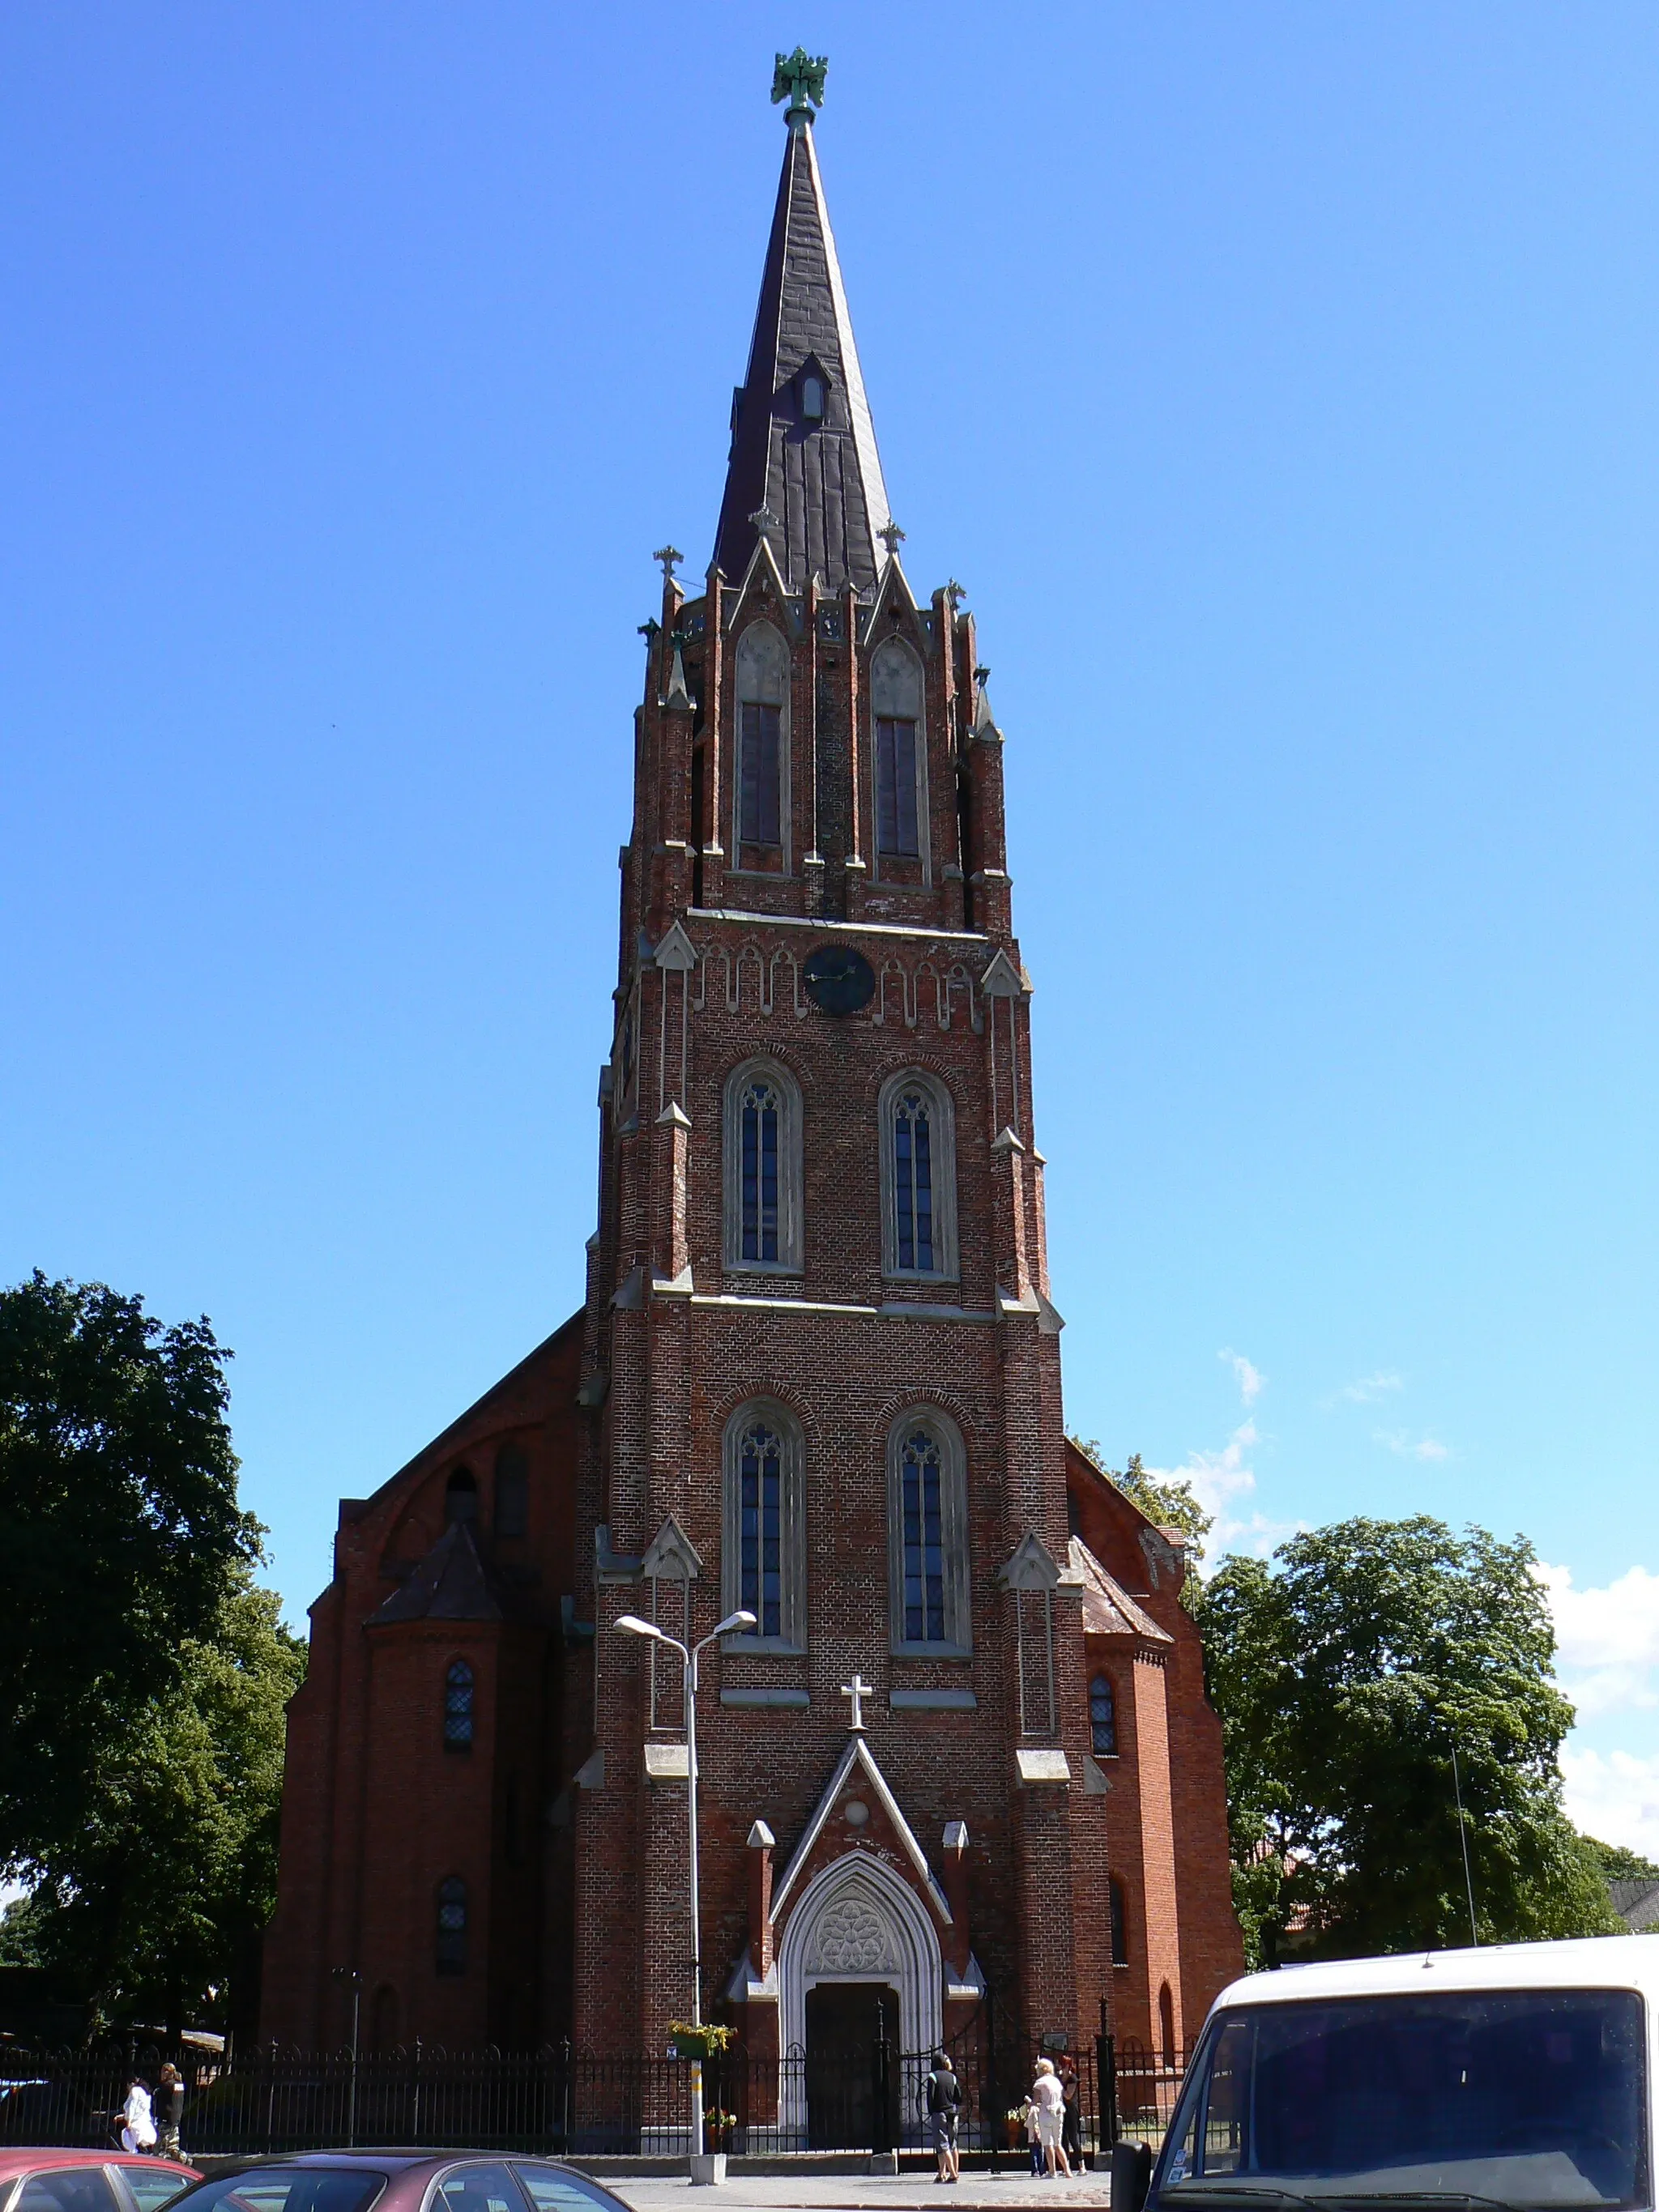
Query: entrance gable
{"x": 857, "y": 1767}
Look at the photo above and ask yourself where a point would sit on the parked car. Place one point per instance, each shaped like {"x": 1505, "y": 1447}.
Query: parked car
{"x": 41, "y": 2180}
{"x": 1519, "y": 2076}
{"x": 400, "y": 2181}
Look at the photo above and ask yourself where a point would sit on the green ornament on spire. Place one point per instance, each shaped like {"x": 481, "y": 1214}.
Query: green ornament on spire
{"x": 798, "y": 78}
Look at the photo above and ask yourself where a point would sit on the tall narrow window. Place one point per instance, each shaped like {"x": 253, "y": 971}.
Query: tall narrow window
{"x": 918, "y": 1176}
{"x": 762, "y": 1168}
{"x": 912, "y": 1181}
{"x": 1102, "y": 1717}
{"x": 763, "y": 1541}
{"x": 512, "y": 1491}
{"x": 451, "y": 1926}
{"x": 928, "y": 1534}
{"x": 458, "y": 1707}
{"x": 924, "y": 1541}
{"x": 762, "y": 731}
{"x": 761, "y": 822}
{"x": 895, "y": 787}
{"x": 760, "y": 1112}
{"x": 896, "y": 705}
{"x": 760, "y": 1471}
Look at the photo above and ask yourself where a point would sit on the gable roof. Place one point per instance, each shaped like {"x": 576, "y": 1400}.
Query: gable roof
{"x": 452, "y": 1582}
{"x": 1107, "y": 1607}
{"x": 822, "y": 480}
{"x": 859, "y": 1755}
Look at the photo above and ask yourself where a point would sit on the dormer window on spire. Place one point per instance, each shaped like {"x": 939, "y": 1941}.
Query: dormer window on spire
{"x": 811, "y": 398}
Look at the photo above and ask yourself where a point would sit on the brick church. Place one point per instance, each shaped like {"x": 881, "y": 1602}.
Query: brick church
{"x": 817, "y": 1377}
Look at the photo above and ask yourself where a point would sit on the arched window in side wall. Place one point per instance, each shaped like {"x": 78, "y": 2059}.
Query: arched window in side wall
{"x": 762, "y": 729}
{"x": 762, "y": 1550}
{"x": 1102, "y": 1717}
{"x": 457, "y": 1706}
{"x": 763, "y": 1166}
{"x": 928, "y": 1534}
{"x": 461, "y": 1495}
{"x": 895, "y": 706}
{"x": 451, "y": 1926}
{"x": 1118, "y": 1923}
{"x": 512, "y": 1491}
{"x": 918, "y": 1177}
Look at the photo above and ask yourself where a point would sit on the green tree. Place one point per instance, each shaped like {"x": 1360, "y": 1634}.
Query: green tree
{"x": 1618, "y": 1864}
{"x": 120, "y": 1538}
{"x": 1167, "y": 1502}
{"x": 155, "y": 1907}
{"x": 1344, "y": 1673}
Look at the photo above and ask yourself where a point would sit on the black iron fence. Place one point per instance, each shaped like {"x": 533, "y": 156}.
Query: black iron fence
{"x": 565, "y": 2101}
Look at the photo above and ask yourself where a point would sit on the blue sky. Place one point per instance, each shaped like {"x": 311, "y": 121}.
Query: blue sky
{"x": 1280, "y": 382}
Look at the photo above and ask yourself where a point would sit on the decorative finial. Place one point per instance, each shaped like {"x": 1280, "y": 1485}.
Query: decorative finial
{"x": 671, "y": 556}
{"x": 955, "y": 593}
{"x": 892, "y": 538}
{"x": 765, "y": 521}
{"x": 981, "y": 675}
{"x": 798, "y": 78}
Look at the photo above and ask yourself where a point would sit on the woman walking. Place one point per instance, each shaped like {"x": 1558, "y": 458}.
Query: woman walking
{"x": 137, "y": 2127}
{"x": 1049, "y": 2101}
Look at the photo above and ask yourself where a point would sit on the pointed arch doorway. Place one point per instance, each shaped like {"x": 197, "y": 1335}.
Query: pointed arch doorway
{"x": 859, "y": 1961}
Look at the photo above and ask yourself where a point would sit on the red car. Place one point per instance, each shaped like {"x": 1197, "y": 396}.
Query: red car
{"x": 88, "y": 2180}
{"x": 400, "y": 2181}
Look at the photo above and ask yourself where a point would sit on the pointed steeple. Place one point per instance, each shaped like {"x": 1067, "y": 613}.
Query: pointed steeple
{"x": 802, "y": 444}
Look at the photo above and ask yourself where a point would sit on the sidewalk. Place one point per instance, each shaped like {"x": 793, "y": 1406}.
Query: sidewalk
{"x": 853, "y": 2192}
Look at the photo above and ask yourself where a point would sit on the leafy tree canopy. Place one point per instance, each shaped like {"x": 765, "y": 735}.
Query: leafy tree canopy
{"x": 155, "y": 1906}
{"x": 120, "y": 1536}
{"x": 1168, "y": 1502}
{"x": 1618, "y": 1864}
{"x": 1344, "y": 1671}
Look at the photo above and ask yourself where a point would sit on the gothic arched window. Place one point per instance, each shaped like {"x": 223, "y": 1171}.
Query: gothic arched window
{"x": 918, "y": 1177}
{"x": 928, "y": 1534}
{"x": 763, "y": 1169}
{"x": 457, "y": 1706}
{"x": 451, "y": 1926}
{"x": 461, "y": 1495}
{"x": 900, "y": 756}
{"x": 1102, "y": 1717}
{"x": 760, "y": 784}
{"x": 764, "y": 1549}
{"x": 512, "y": 1491}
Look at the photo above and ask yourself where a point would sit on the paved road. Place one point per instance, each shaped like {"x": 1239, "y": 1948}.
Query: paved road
{"x": 852, "y": 2192}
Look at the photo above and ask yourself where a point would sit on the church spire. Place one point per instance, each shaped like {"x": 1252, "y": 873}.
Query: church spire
{"x": 804, "y": 461}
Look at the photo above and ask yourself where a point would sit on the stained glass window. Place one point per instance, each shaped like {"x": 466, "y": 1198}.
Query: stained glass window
{"x": 458, "y": 1707}
{"x": 919, "y": 1479}
{"x": 913, "y": 1181}
{"x": 760, "y": 1506}
{"x": 1102, "y": 1717}
{"x": 759, "y": 1172}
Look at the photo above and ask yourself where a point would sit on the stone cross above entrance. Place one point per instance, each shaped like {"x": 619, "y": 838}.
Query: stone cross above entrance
{"x": 858, "y": 1689}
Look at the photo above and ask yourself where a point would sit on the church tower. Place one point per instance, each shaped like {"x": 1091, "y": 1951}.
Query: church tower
{"x": 819, "y": 1333}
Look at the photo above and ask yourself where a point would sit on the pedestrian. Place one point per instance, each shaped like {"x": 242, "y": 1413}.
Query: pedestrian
{"x": 138, "y": 2125}
{"x": 1049, "y": 2100}
{"x": 1071, "y": 2117}
{"x": 944, "y": 2104}
{"x": 167, "y": 2108}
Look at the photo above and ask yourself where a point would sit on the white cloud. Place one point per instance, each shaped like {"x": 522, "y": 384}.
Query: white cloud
{"x": 1607, "y": 1641}
{"x": 1367, "y": 1390}
{"x": 1410, "y": 1447}
{"x": 1225, "y": 1485}
{"x": 1250, "y": 1377}
{"x": 1614, "y": 1796}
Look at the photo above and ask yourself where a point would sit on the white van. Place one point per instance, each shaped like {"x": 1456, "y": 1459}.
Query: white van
{"x": 1521, "y": 2075}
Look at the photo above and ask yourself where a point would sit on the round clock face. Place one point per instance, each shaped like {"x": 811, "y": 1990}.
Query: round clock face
{"x": 839, "y": 979}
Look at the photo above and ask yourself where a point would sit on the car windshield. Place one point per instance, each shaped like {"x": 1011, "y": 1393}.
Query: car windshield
{"x": 289, "y": 2189}
{"x": 1521, "y": 2097}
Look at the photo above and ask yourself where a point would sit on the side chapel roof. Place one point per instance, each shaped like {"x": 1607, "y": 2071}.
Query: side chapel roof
{"x": 1107, "y": 1607}
{"x": 452, "y": 1582}
{"x": 821, "y": 482}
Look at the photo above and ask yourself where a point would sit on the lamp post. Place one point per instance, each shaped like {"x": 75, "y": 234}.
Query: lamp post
{"x": 631, "y": 1625}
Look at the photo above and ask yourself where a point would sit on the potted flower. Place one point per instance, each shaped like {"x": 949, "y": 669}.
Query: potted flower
{"x": 717, "y": 2128}
{"x": 703, "y": 2040}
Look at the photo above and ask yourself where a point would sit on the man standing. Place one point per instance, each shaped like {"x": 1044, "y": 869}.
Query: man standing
{"x": 944, "y": 2103}
{"x": 168, "y": 2106}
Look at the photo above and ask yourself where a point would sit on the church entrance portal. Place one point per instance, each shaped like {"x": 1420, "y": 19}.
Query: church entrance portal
{"x": 851, "y": 2065}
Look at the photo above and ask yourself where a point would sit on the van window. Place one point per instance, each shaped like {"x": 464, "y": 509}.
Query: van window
{"x": 1527, "y": 2097}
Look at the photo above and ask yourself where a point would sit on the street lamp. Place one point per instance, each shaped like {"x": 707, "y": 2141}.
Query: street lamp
{"x": 631, "y": 1625}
